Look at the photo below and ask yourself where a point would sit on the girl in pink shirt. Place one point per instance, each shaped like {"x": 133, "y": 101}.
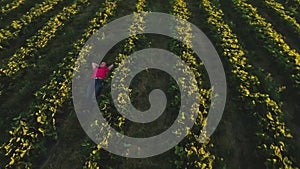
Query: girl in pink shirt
{"x": 98, "y": 76}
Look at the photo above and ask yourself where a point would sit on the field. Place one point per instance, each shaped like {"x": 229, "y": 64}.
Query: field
{"x": 258, "y": 43}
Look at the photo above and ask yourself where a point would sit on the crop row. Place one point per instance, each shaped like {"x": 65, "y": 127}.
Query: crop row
{"x": 29, "y": 52}
{"x": 31, "y": 130}
{"x": 94, "y": 159}
{"x": 273, "y": 135}
{"x": 11, "y": 6}
{"x": 191, "y": 154}
{"x": 18, "y": 61}
{"x": 286, "y": 57}
{"x": 12, "y": 30}
{"x": 292, "y": 6}
{"x": 281, "y": 12}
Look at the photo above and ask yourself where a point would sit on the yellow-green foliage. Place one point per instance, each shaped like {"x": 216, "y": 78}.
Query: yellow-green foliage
{"x": 24, "y": 138}
{"x": 11, "y": 6}
{"x": 273, "y": 41}
{"x": 274, "y": 132}
{"x": 12, "y": 30}
{"x": 18, "y": 61}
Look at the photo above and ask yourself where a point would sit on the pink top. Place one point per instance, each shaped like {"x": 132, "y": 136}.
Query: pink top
{"x": 100, "y": 72}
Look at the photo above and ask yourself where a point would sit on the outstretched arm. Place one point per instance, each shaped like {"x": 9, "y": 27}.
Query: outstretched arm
{"x": 111, "y": 66}
{"x": 94, "y": 65}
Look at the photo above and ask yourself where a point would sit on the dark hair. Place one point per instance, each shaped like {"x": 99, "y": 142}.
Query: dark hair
{"x": 102, "y": 62}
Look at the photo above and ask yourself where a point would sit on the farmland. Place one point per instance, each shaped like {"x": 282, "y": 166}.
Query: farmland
{"x": 257, "y": 42}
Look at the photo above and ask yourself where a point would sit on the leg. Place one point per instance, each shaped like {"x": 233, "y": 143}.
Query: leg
{"x": 98, "y": 86}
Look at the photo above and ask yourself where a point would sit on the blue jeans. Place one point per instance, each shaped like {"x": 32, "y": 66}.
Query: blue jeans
{"x": 98, "y": 83}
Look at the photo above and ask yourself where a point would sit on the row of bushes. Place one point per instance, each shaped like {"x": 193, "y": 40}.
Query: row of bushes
{"x": 281, "y": 12}
{"x": 11, "y": 6}
{"x": 32, "y": 129}
{"x": 12, "y": 30}
{"x": 286, "y": 57}
{"x": 18, "y": 60}
{"x": 273, "y": 135}
{"x": 190, "y": 152}
{"x": 97, "y": 157}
